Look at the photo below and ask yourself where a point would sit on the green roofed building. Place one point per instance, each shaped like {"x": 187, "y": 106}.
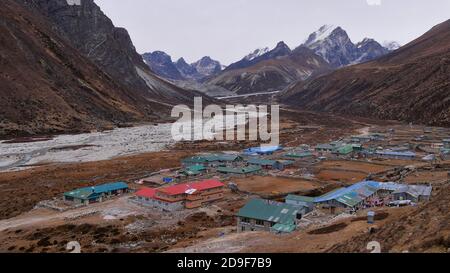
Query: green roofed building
{"x": 245, "y": 170}
{"x": 193, "y": 170}
{"x": 265, "y": 163}
{"x": 211, "y": 159}
{"x": 266, "y": 215}
{"x": 303, "y": 154}
{"x": 283, "y": 164}
{"x": 360, "y": 139}
{"x": 344, "y": 150}
{"x": 283, "y": 228}
{"x": 357, "y": 147}
{"x": 95, "y": 194}
{"x": 325, "y": 148}
{"x": 307, "y": 203}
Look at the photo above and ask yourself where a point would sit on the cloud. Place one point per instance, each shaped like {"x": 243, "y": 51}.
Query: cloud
{"x": 373, "y": 2}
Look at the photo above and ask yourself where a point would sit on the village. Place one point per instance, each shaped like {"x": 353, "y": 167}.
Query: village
{"x": 278, "y": 190}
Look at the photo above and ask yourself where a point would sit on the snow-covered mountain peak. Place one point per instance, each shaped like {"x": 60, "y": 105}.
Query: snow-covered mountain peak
{"x": 391, "y": 45}
{"x": 258, "y": 52}
{"x": 364, "y": 42}
{"x": 324, "y": 32}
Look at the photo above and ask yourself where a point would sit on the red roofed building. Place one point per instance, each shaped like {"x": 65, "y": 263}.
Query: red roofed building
{"x": 146, "y": 192}
{"x": 188, "y": 195}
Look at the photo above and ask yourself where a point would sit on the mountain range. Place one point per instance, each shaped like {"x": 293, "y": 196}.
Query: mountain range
{"x": 411, "y": 84}
{"x": 265, "y": 69}
{"x": 81, "y": 72}
{"x": 161, "y": 63}
{"x": 272, "y": 74}
{"x": 65, "y": 67}
{"x": 325, "y": 50}
{"x": 334, "y": 45}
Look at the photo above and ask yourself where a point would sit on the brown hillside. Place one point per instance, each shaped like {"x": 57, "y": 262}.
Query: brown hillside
{"x": 409, "y": 84}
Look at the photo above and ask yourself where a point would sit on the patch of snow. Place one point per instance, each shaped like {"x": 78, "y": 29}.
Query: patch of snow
{"x": 391, "y": 45}
{"x": 73, "y": 2}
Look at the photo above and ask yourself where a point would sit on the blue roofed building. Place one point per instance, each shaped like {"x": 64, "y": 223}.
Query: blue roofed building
{"x": 263, "y": 150}
{"x": 396, "y": 154}
{"x": 354, "y": 196}
{"x": 414, "y": 193}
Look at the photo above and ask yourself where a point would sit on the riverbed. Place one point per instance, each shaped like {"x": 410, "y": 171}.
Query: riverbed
{"x": 85, "y": 147}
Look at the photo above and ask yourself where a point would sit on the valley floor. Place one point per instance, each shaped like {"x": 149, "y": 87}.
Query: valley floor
{"x": 119, "y": 225}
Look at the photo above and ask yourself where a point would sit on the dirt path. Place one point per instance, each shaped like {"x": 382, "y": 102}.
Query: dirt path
{"x": 46, "y": 217}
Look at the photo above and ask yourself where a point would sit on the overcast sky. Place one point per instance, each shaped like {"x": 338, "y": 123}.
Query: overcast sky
{"x": 227, "y": 30}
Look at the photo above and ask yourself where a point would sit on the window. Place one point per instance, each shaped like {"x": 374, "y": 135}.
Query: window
{"x": 259, "y": 222}
{"x": 245, "y": 220}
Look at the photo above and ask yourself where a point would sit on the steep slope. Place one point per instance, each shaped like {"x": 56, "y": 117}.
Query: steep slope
{"x": 161, "y": 63}
{"x": 187, "y": 70}
{"x": 89, "y": 30}
{"x": 272, "y": 74}
{"x": 47, "y": 86}
{"x": 425, "y": 229}
{"x": 410, "y": 84}
{"x": 57, "y": 77}
{"x": 335, "y": 46}
{"x": 369, "y": 49}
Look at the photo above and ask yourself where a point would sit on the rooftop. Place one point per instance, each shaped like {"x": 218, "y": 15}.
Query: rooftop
{"x": 245, "y": 170}
{"x": 261, "y": 161}
{"x": 325, "y": 146}
{"x": 146, "y": 192}
{"x": 392, "y": 153}
{"x": 299, "y": 154}
{"x": 362, "y": 189}
{"x": 284, "y": 228}
{"x": 416, "y": 190}
{"x": 85, "y": 193}
{"x": 271, "y": 211}
{"x": 199, "y": 186}
{"x": 300, "y": 198}
{"x": 211, "y": 158}
{"x": 262, "y": 149}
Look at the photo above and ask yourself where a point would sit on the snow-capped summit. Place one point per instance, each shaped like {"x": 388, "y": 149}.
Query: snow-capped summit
{"x": 334, "y": 45}
{"x": 207, "y": 66}
{"x": 259, "y": 55}
{"x": 369, "y": 49}
{"x": 364, "y": 42}
{"x": 391, "y": 45}
{"x": 324, "y": 32}
{"x": 255, "y": 54}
